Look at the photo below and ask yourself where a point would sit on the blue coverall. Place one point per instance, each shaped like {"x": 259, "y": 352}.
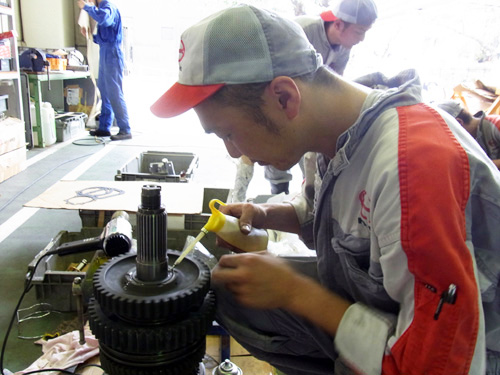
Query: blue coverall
{"x": 109, "y": 38}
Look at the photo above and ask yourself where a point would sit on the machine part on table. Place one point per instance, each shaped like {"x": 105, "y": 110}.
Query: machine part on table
{"x": 150, "y": 319}
{"x": 77, "y": 292}
{"x": 35, "y": 60}
{"x": 164, "y": 167}
{"x": 152, "y": 261}
{"x": 227, "y": 368}
{"x": 80, "y": 266}
{"x": 115, "y": 239}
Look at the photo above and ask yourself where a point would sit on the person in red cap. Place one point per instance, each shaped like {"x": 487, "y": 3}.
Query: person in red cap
{"x": 334, "y": 32}
{"x": 404, "y": 216}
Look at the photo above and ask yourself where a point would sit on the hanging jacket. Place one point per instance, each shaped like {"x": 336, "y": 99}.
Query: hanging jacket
{"x": 404, "y": 219}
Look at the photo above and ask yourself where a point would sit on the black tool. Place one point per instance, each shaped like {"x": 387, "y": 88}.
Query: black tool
{"x": 115, "y": 239}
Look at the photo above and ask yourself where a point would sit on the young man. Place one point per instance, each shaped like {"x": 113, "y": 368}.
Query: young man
{"x": 109, "y": 38}
{"x": 404, "y": 220}
{"x": 333, "y": 33}
{"x": 484, "y": 129}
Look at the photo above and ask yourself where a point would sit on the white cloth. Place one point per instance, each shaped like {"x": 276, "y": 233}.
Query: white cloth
{"x": 64, "y": 351}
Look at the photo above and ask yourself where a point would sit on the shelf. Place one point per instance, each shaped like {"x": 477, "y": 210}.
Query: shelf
{"x": 12, "y": 77}
{"x": 9, "y": 75}
{"x": 6, "y": 10}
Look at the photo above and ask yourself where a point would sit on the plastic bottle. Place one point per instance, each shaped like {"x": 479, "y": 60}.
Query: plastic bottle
{"x": 48, "y": 122}
{"x": 228, "y": 228}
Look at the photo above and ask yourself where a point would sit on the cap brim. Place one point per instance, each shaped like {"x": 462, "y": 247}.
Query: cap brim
{"x": 181, "y": 98}
{"x": 328, "y": 16}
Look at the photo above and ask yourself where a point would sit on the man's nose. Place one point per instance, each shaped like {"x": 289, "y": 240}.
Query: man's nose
{"x": 232, "y": 150}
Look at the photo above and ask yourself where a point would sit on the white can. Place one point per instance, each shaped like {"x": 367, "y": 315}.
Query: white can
{"x": 227, "y": 368}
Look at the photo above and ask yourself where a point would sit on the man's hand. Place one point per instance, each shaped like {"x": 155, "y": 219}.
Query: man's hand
{"x": 256, "y": 280}
{"x": 249, "y": 215}
{"x": 84, "y": 32}
{"x": 267, "y": 282}
{"x": 81, "y": 3}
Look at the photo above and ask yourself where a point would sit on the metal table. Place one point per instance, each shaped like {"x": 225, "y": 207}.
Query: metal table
{"x": 36, "y": 78}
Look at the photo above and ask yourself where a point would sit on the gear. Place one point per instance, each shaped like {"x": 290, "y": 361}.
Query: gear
{"x": 118, "y": 291}
{"x": 152, "y": 339}
{"x": 187, "y": 364}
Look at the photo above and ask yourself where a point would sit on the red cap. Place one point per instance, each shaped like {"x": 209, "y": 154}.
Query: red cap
{"x": 328, "y": 16}
{"x": 180, "y": 98}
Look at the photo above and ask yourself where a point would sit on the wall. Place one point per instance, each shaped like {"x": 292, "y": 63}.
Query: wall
{"x": 48, "y": 23}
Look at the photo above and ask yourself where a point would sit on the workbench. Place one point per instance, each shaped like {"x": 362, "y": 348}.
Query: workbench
{"x": 36, "y": 78}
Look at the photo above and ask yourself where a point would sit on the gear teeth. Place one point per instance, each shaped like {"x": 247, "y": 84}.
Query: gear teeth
{"x": 130, "y": 338}
{"x": 156, "y": 308}
{"x": 189, "y": 366}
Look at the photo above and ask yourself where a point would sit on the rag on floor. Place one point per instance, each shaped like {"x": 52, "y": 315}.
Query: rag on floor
{"x": 64, "y": 351}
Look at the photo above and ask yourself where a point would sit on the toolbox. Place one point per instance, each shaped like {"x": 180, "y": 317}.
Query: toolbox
{"x": 70, "y": 125}
{"x": 160, "y": 167}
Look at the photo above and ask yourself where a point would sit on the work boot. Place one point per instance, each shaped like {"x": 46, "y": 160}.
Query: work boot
{"x": 100, "y": 133}
{"x": 121, "y": 136}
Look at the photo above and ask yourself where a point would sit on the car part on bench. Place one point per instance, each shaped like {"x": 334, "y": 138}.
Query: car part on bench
{"x": 149, "y": 318}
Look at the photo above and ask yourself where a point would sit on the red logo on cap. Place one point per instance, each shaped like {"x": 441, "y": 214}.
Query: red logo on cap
{"x": 182, "y": 51}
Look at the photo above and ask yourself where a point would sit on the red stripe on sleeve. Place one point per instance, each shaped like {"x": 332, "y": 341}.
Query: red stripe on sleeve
{"x": 434, "y": 190}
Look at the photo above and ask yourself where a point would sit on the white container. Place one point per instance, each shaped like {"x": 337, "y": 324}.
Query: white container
{"x": 228, "y": 228}
{"x": 47, "y": 115}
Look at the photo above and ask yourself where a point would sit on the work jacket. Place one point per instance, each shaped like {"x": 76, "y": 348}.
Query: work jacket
{"x": 109, "y": 23}
{"x": 336, "y": 57}
{"x": 405, "y": 220}
{"x": 488, "y": 134}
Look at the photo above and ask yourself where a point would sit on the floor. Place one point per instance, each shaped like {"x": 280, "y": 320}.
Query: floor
{"x": 25, "y": 231}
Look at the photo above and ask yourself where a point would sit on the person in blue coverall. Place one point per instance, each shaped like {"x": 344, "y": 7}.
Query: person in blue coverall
{"x": 109, "y": 38}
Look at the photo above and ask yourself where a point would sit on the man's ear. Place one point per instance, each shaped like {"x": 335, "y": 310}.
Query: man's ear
{"x": 339, "y": 25}
{"x": 286, "y": 95}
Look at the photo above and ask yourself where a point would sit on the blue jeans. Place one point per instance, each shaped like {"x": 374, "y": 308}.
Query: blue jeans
{"x": 492, "y": 363}
{"x": 286, "y": 341}
{"x": 110, "y": 86}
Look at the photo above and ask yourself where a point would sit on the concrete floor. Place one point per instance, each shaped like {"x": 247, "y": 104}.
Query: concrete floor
{"x": 25, "y": 231}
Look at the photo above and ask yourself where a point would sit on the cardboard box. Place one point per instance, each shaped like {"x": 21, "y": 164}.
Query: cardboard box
{"x": 12, "y": 135}
{"x": 57, "y": 63}
{"x": 12, "y": 162}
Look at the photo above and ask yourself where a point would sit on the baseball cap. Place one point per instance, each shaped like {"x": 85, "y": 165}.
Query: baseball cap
{"x": 359, "y": 12}
{"x": 453, "y": 107}
{"x": 328, "y": 16}
{"x": 238, "y": 45}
